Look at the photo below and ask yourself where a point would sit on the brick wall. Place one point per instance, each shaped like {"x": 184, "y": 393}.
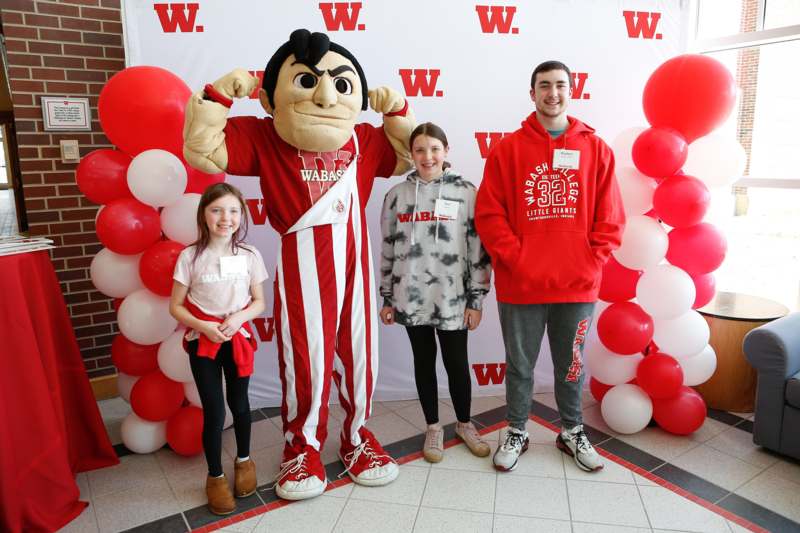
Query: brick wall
{"x": 64, "y": 48}
{"x": 747, "y": 80}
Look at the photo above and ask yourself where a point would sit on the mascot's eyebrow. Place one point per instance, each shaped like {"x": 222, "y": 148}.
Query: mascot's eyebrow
{"x": 333, "y": 72}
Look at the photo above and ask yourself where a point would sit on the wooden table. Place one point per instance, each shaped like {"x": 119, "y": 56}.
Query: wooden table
{"x": 730, "y": 316}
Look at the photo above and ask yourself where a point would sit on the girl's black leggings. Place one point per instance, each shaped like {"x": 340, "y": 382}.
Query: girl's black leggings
{"x": 207, "y": 375}
{"x": 454, "y": 356}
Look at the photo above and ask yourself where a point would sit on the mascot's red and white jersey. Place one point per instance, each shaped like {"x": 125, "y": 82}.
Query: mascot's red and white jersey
{"x": 292, "y": 180}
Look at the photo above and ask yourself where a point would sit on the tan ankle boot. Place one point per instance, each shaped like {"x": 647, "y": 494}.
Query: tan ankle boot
{"x": 245, "y": 480}
{"x": 220, "y": 498}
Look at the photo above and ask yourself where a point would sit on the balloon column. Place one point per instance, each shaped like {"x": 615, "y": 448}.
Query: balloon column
{"x": 653, "y": 350}
{"x": 149, "y": 197}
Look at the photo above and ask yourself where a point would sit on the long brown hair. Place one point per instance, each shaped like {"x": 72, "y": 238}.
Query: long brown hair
{"x": 429, "y": 129}
{"x": 212, "y": 193}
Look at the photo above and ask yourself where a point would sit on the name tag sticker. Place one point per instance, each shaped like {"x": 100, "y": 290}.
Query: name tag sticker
{"x": 566, "y": 159}
{"x": 445, "y": 209}
{"x": 232, "y": 265}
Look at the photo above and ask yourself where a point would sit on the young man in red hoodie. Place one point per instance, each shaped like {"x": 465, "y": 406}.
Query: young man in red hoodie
{"x": 549, "y": 213}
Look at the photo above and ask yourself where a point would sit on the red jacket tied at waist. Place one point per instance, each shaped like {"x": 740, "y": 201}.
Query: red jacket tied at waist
{"x": 243, "y": 348}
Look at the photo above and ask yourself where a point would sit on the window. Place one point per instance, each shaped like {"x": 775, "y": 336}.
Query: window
{"x": 759, "y": 41}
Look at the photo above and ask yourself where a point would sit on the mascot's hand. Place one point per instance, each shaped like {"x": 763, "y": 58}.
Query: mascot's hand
{"x": 236, "y": 84}
{"x": 386, "y": 100}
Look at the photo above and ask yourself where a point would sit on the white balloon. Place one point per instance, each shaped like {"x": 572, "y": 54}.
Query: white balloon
{"x": 622, "y": 146}
{"x": 637, "y": 190}
{"x": 125, "y": 383}
{"x": 156, "y": 178}
{"x": 644, "y": 243}
{"x": 699, "y": 368}
{"x": 716, "y": 160}
{"x": 627, "y": 408}
{"x": 173, "y": 359}
{"x": 665, "y": 291}
{"x": 608, "y": 367}
{"x": 115, "y": 275}
{"x": 682, "y": 336}
{"x": 179, "y": 220}
{"x": 144, "y": 317}
{"x": 143, "y": 436}
{"x": 190, "y": 390}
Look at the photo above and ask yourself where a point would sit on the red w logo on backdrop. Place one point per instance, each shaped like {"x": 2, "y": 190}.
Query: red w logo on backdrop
{"x": 258, "y": 211}
{"x": 496, "y": 19}
{"x": 265, "y": 328}
{"x": 341, "y": 16}
{"x": 579, "y": 85}
{"x": 178, "y": 16}
{"x": 487, "y": 139}
{"x": 420, "y": 80}
{"x": 642, "y": 24}
{"x": 489, "y": 373}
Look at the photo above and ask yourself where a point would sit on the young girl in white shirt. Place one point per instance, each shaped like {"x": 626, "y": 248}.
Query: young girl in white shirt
{"x": 216, "y": 291}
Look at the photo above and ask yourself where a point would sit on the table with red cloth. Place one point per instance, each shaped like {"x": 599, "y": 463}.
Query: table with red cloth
{"x": 50, "y": 426}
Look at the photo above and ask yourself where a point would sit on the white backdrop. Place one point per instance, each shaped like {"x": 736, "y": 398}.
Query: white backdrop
{"x": 475, "y": 77}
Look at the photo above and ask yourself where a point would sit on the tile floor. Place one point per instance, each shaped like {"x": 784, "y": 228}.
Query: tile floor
{"x": 637, "y": 491}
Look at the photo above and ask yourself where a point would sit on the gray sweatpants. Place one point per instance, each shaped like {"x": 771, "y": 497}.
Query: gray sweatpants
{"x": 523, "y": 326}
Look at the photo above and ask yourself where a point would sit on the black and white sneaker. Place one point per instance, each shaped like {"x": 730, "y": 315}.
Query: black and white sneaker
{"x": 507, "y": 454}
{"x": 575, "y": 443}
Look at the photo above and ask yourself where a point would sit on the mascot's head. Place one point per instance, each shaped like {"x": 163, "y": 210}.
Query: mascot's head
{"x": 314, "y": 89}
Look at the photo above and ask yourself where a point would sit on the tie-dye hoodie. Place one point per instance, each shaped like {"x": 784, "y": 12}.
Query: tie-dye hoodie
{"x": 432, "y": 268}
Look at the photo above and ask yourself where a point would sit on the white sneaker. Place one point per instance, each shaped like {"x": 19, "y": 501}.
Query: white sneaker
{"x": 576, "y": 444}
{"x": 507, "y": 454}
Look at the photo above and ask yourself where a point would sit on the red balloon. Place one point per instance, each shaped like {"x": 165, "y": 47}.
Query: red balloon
{"x": 705, "y": 286}
{"x": 691, "y": 93}
{"x": 624, "y": 328}
{"x": 598, "y": 389}
{"x": 660, "y": 375}
{"x": 659, "y": 152}
{"x": 618, "y": 283}
{"x": 681, "y": 201}
{"x": 133, "y": 359}
{"x": 142, "y": 108}
{"x": 198, "y": 181}
{"x": 682, "y": 414}
{"x": 698, "y": 249}
{"x": 185, "y": 431}
{"x": 156, "y": 397}
{"x": 158, "y": 264}
{"x": 102, "y": 176}
{"x": 128, "y": 226}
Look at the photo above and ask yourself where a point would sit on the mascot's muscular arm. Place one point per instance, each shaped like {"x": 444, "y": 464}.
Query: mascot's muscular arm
{"x": 207, "y": 114}
{"x": 396, "y": 124}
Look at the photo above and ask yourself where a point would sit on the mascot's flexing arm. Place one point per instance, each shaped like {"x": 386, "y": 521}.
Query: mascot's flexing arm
{"x": 316, "y": 167}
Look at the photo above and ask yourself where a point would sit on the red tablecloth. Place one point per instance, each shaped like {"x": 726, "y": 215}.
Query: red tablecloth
{"x": 50, "y": 427}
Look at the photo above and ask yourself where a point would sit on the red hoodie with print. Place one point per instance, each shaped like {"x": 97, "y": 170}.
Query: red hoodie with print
{"x": 549, "y": 231}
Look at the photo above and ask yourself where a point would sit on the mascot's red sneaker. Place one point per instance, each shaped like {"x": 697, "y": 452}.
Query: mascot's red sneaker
{"x": 301, "y": 476}
{"x": 368, "y": 463}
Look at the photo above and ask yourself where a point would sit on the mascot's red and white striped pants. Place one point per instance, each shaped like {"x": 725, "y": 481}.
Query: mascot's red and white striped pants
{"x": 326, "y": 318}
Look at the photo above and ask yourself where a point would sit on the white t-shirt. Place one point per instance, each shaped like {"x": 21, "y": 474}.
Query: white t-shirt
{"x": 214, "y": 293}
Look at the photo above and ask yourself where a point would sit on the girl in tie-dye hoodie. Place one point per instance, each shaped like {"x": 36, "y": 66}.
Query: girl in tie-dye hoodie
{"x": 434, "y": 276}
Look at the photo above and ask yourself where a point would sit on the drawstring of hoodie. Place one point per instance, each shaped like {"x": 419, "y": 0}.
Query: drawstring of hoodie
{"x": 414, "y": 213}
{"x": 441, "y": 184}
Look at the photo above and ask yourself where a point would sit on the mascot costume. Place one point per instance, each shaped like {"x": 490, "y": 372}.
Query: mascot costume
{"x": 316, "y": 167}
